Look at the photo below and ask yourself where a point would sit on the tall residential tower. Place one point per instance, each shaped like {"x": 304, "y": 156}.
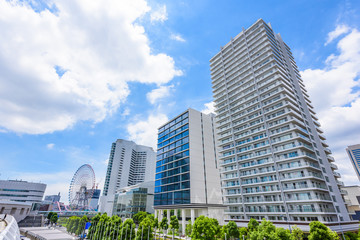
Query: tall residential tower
{"x": 275, "y": 163}
{"x": 129, "y": 164}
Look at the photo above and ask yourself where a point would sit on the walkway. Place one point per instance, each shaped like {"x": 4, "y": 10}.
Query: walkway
{"x": 45, "y": 233}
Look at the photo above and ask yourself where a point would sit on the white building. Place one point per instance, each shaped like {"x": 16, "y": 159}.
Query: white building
{"x": 354, "y": 155}
{"x": 17, "y": 197}
{"x": 187, "y": 178}
{"x": 129, "y": 164}
{"x": 352, "y": 201}
{"x": 275, "y": 162}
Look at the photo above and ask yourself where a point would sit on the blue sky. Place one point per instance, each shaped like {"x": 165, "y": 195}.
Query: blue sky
{"x": 77, "y": 75}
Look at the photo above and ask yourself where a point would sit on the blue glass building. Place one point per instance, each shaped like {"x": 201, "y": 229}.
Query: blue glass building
{"x": 354, "y": 155}
{"x": 172, "y": 179}
{"x": 187, "y": 179}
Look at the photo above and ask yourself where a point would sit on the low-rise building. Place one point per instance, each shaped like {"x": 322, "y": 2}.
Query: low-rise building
{"x": 52, "y": 198}
{"x": 352, "y": 201}
{"x": 22, "y": 191}
{"x": 18, "y": 198}
{"x": 133, "y": 199}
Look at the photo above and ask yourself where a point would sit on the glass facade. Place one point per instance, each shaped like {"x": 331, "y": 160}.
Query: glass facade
{"x": 129, "y": 203}
{"x": 354, "y": 155}
{"x": 172, "y": 179}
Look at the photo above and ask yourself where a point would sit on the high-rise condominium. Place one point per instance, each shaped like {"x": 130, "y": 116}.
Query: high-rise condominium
{"x": 275, "y": 163}
{"x": 129, "y": 164}
{"x": 187, "y": 176}
{"x": 354, "y": 155}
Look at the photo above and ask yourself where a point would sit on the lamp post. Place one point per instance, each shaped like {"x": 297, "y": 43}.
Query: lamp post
{"x": 287, "y": 220}
{"x": 342, "y": 232}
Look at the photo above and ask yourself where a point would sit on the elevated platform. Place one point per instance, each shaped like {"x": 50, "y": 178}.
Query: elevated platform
{"x": 46, "y": 233}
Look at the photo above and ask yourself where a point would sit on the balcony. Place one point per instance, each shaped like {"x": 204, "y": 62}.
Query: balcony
{"x": 322, "y": 137}
{"x": 336, "y": 174}
{"x": 328, "y": 151}
{"x": 330, "y": 158}
{"x": 343, "y": 192}
{"x": 324, "y": 143}
{"x": 340, "y": 183}
{"x": 312, "y": 209}
{"x": 333, "y": 166}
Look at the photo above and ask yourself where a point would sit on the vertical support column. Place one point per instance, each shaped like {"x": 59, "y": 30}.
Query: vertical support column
{"x": 183, "y": 220}
{"x": 192, "y": 216}
{"x": 161, "y": 215}
{"x": 176, "y": 212}
{"x": 168, "y": 217}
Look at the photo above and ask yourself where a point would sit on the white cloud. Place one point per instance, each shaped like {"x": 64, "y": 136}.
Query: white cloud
{"x": 335, "y": 92}
{"x": 160, "y": 15}
{"x": 145, "y": 131}
{"x": 50, "y": 146}
{"x": 339, "y": 30}
{"x": 158, "y": 93}
{"x": 126, "y": 112}
{"x": 209, "y": 108}
{"x": 177, "y": 37}
{"x": 73, "y": 65}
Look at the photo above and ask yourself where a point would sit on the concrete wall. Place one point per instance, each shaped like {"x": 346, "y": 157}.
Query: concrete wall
{"x": 18, "y": 210}
{"x": 204, "y": 174}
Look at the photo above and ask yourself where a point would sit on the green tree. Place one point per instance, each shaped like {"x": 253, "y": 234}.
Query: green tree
{"x": 351, "y": 236}
{"x": 115, "y": 226}
{"x": 164, "y": 224}
{"x": 243, "y": 232}
{"x": 283, "y": 234}
{"x": 266, "y": 230}
{"x": 70, "y": 224}
{"x": 138, "y": 217}
{"x": 145, "y": 231}
{"x": 174, "y": 224}
{"x": 205, "y": 228}
{"x": 188, "y": 228}
{"x": 81, "y": 226}
{"x": 215, "y": 222}
{"x": 224, "y": 233}
{"x": 155, "y": 224}
{"x": 94, "y": 223}
{"x": 54, "y": 218}
{"x": 75, "y": 225}
{"x": 253, "y": 225}
{"x": 127, "y": 230}
{"x": 297, "y": 233}
{"x": 49, "y": 215}
{"x": 318, "y": 231}
{"x": 102, "y": 226}
{"x": 233, "y": 231}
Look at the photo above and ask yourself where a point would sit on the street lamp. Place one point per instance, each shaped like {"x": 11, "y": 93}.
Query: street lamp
{"x": 342, "y": 232}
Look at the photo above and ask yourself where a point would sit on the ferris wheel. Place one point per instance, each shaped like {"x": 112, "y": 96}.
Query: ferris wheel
{"x": 82, "y": 187}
